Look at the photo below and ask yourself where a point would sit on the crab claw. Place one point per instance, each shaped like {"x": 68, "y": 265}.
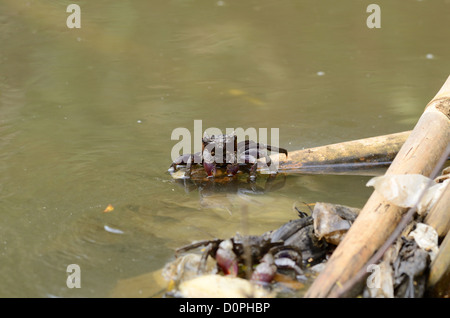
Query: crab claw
{"x": 226, "y": 259}
{"x": 266, "y": 269}
{"x": 210, "y": 168}
{"x": 232, "y": 169}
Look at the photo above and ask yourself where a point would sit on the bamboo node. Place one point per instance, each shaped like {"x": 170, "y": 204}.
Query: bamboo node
{"x": 441, "y": 104}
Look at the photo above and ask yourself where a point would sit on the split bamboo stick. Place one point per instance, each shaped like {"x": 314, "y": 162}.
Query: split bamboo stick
{"x": 357, "y": 155}
{"x": 438, "y": 284}
{"x": 439, "y": 216}
{"x": 377, "y": 220}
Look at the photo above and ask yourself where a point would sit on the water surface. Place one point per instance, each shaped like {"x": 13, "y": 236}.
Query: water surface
{"x": 86, "y": 117}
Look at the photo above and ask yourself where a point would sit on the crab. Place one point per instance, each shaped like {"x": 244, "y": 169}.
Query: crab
{"x": 223, "y": 151}
{"x": 288, "y": 248}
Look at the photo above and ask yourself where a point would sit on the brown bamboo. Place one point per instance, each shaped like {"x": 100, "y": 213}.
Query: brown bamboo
{"x": 356, "y": 155}
{"x": 438, "y": 284}
{"x": 439, "y": 216}
{"x": 419, "y": 154}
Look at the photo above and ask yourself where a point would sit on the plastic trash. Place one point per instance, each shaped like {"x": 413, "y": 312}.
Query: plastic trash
{"x": 186, "y": 267}
{"x": 408, "y": 190}
{"x": 426, "y": 238}
{"x": 380, "y": 284}
{"x": 331, "y": 221}
{"x": 218, "y": 286}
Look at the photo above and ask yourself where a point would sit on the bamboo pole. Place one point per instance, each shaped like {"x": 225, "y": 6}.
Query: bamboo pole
{"x": 438, "y": 284}
{"x": 357, "y": 155}
{"x": 377, "y": 220}
{"x": 439, "y": 216}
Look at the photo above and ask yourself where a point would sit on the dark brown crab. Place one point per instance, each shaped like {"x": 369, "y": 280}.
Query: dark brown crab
{"x": 223, "y": 151}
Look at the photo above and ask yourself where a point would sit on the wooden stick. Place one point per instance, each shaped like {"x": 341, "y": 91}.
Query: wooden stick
{"x": 439, "y": 216}
{"x": 378, "y": 218}
{"x": 438, "y": 284}
{"x": 356, "y": 155}
{"x": 404, "y": 222}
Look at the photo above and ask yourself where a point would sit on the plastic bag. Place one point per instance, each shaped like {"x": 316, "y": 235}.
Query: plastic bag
{"x": 427, "y": 238}
{"x": 331, "y": 221}
{"x": 407, "y": 190}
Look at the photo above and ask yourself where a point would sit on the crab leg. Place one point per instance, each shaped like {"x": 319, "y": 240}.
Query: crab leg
{"x": 188, "y": 172}
{"x": 251, "y": 145}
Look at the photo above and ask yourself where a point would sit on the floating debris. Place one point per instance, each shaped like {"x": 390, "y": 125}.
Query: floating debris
{"x": 109, "y": 208}
{"x": 426, "y": 238}
{"x": 332, "y": 221}
{"x": 409, "y": 269}
{"x": 409, "y": 190}
{"x": 218, "y": 286}
{"x": 113, "y": 230}
{"x": 278, "y": 260}
{"x": 185, "y": 267}
{"x": 380, "y": 283}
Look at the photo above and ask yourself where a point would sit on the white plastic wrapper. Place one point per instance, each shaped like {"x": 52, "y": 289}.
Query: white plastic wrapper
{"x": 330, "y": 221}
{"x": 217, "y": 286}
{"x": 380, "y": 284}
{"x": 427, "y": 238}
{"x": 431, "y": 197}
{"x": 406, "y": 190}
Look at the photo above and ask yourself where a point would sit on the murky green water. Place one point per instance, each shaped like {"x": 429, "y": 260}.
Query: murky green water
{"x": 86, "y": 117}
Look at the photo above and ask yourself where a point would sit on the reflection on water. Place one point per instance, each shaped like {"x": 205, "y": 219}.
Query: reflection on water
{"x": 86, "y": 117}
{"x": 222, "y": 191}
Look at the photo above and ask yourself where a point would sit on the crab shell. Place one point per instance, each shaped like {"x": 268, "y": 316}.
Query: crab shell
{"x": 224, "y": 151}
